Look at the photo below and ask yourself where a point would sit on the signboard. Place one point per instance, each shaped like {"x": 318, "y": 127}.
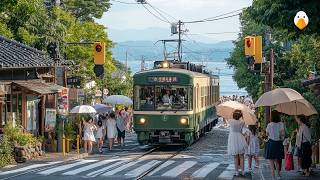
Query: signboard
{"x": 163, "y": 79}
{"x": 50, "y": 121}
{"x": 63, "y": 102}
{"x": 73, "y": 81}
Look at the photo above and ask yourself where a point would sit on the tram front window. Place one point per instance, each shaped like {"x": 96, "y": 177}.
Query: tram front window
{"x": 171, "y": 98}
{"x": 163, "y": 98}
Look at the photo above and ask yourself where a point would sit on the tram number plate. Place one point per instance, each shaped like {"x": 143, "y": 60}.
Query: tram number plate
{"x": 163, "y": 79}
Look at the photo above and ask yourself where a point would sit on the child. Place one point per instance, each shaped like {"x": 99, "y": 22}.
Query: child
{"x": 253, "y": 149}
{"x": 100, "y": 134}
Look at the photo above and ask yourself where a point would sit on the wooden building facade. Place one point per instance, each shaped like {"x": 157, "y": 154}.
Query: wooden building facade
{"x": 29, "y": 93}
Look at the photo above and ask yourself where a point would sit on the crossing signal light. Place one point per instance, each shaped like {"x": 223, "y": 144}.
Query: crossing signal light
{"x": 99, "y": 53}
{"x": 253, "y": 48}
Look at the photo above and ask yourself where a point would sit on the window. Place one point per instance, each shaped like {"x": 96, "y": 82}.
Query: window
{"x": 162, "y": 98}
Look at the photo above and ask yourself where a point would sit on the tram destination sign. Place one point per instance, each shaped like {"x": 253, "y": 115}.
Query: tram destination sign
{"x": 163, "y": 79}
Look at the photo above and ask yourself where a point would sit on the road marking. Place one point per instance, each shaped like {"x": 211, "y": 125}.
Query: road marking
{"x": 65, "y": 167}
{"x": 136, "y": 172}
{"x": 205, "y": 170}
{"x": 125, "y": 166}
{"x": 179, "y": 169}
{"x": 167, "y": 163}
{"x": 228, "y": 173}
{"x": 96, "y": 173}
{"x": 91, "y": 166}
{"x": 29, "y": 167}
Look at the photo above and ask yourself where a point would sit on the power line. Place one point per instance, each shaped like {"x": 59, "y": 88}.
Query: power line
{"x": 224, "y": 14}
{"x": 231, "y": 32}
{"x": 155, "y": 15}
{"x": 122, "y": 2}
{"x": 199, "y": 21}
{"x": 155, "y": 8}
{"x": 157, "y": 11}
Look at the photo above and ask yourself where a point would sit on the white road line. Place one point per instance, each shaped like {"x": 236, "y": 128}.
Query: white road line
{"x": 96, "y": 173}
{"x": 125, "y": 166}
{"x": 29, "y": 167}
{"x": 228, "y": 173}
{"x": 205, "y": 170}
{"x": 91, "y": 166}
{"x": 167, "y": 163}
{"x": 136, "y": 172}
{"x": 179, "y": 169}
{"x": 65, "y": 167}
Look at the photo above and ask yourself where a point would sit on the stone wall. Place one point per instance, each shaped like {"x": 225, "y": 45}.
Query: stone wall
{"x": 28, "y": 152}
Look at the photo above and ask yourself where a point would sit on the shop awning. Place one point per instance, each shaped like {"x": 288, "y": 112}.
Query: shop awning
{"x": 39, "y": 87}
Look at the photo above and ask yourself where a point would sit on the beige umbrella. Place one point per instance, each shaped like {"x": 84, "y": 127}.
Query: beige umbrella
{"x": 226, "y": 110}
{"x": 278, "y": 96}
{"x": 297, "y": 107}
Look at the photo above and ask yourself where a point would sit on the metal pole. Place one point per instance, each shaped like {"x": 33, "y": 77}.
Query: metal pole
{"x": 179, "y": 42}
{"x": 269, "y": 77}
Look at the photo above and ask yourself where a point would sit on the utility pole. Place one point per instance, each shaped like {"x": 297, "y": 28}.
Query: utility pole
{"x": 179, "y": 42}
{"x": 269, "y": 75}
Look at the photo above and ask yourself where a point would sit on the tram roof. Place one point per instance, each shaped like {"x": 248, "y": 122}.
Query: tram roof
{"x": 175, "y": 70}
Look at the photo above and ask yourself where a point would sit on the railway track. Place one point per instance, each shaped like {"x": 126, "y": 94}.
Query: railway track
{"x": 146, "y": 173}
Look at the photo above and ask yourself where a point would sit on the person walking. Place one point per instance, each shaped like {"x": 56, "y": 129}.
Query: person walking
{"x": 100, "y": 134}
{"x": 236, "y": 142}
{"x": 111, "y": 129}
{"x": 88, "y": 135}
{"x": 297, "y": 151}
{"x": 121, "y": 127}
{"x": 304, "y": 144}
{"x": 274, "y": 148}
{"x": 253, "y": 149}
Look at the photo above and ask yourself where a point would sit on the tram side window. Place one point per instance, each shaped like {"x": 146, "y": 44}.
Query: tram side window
{"x": 145, "y": 100}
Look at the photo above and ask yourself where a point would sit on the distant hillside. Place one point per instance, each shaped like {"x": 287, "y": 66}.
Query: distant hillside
{"x": 192, "y": 51}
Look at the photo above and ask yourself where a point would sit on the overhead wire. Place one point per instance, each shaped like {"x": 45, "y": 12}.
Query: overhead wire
{"x": 157, "y": 9}
{"x": 159, "y": 13}
{"x": 163, "y": 20}
{"x": 122, "y": 2}
{"x": 231, "y": 32}
{"x": 208, "y": 20}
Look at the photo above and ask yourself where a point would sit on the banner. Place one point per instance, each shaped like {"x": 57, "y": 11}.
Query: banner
{"x": 50, "y": 121}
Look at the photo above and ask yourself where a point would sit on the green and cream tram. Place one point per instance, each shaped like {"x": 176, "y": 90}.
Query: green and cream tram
{"x": 174, "y": 105}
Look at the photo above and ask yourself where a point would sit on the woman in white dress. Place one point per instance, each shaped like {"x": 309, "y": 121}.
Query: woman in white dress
{"x": 236, "y": 142}
{"x": 253, "y": 146}
{"x": 100, "y": 134}
{"x": 111, "y": 129}
{"x": 88, "y": 135}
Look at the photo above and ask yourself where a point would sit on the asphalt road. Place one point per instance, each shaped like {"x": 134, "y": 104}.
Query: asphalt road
{"x": 206, "y": 159}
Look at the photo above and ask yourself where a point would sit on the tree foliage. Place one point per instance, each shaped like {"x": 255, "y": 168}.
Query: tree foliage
{"x": 296, "y": 52}
{"x": 35, "y": 23}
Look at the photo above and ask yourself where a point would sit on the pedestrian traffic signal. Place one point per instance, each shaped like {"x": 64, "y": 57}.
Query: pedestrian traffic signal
{"x": 99, "y": 53}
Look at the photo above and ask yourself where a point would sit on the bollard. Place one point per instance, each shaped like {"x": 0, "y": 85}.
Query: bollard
{"x": 78, "y": 144}
{"x": 63, "y": 145}
{"x": 67, "y": 145}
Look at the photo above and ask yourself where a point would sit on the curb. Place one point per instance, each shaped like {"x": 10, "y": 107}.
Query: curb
{"x": 78, "y": 156}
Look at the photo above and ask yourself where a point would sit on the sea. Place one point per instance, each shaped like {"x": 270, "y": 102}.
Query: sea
{"x": 228, "y": 86}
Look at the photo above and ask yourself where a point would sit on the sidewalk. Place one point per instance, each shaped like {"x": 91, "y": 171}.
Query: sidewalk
{"x": 264, "y": 172}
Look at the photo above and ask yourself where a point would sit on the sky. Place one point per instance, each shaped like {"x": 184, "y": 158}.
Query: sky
{"x": 134, "y": 16}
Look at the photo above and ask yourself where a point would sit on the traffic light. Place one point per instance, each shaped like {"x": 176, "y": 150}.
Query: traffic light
{"x": 253, "y": 48}
{"x": 98, "y": 70}
{"x": 258, "y": 50}
{"x": 99, "y": 53}
{"x": 249, "y": 45}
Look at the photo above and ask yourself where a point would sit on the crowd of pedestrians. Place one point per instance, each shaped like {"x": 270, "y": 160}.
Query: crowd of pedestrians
{"x": 244, "y": 141}
{"x": 241, "y": 99}
{"x": 106, "y": 126}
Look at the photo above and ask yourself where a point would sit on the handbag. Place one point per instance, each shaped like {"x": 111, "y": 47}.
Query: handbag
{"x": 289, "y": 162}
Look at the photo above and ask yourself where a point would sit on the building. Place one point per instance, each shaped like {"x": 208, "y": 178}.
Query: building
{"x": 32, "y": 87}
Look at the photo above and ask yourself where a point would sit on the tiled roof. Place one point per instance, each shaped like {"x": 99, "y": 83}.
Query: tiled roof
{"x": 39, "y": 87}
{"x": 17, "y": 55}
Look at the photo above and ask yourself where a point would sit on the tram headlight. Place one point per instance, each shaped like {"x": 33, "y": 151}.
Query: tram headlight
{"x": 142, "y": 120}
{"x": 165, "y": 64}
{"x": 184, "y": 121}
